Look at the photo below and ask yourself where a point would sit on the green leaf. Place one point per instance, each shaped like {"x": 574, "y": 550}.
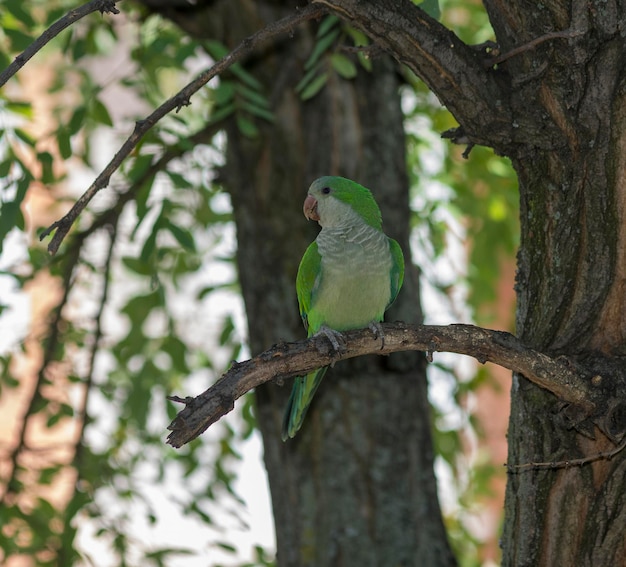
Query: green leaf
{"x": 306, "y": 79}
{"x": 183, "y": 236}
{"x": 78, "y": 48}
{"x": 216, "y": 49}
{"x": 149, "y": 245}
{"x": 328, "y": 22}
{"x": 160, "y": 554}
{"x": 179, "y": 181}
{"x": 10, "y": 213}
{"x": 431, "y": 7}
{"x": 77, "y": 120}
{"x": 222, "y": 113}
{"x": 139, "y": 306}
{"x": 25, "y": 137}
{"x": 100, "y": 113}
{"x": 5, "y": 167}
{"x": 227, "y": 331}
{"x": 246, "y": 77}
{"x": 64, "y": 143}
{"x": 343, "y": 65}
{"x": 246, "y": 127}
{"x": 49, "y": 474}
{"x": 314, "y": 87}
{"x": 365, "y": 62}
{"x": 138, "y": 400}
{"x": 259, "y": 111}
{"x": 358, "y": 37}
{"x": 226, "y": 547}
{"x": 22, "y": 108}
{"x": 53, "y": 14}
{"x": 53, "y": 420}
{"x": 46, "y": 161}
{"x": 16, "y": 7}
{"x": 322, "y": 45}
{"x": 252, "y": 95}
{"x": 177, "y": 350}
{"x": 19, "y": 40}
{"x": 137, "y": 266}
{"x": 223, "y": 93}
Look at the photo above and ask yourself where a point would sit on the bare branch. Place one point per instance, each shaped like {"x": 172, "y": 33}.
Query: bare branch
{"x": 103, "y": 6}
{"x": 182, "y": 98}
{"x": 565, "y": 464}
{"x": 170, "y": 153}
{"x": 565, "y": 34}
{"x": 558, "y": 375}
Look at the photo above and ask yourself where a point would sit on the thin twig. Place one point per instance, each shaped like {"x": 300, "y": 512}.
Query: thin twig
{"x": 558, "y": 375}
{"x": 532, "y": 466}
{"x": 170, "y": 153}
{"x": 182, "y": 98}
{"x": 566, "y": 34}
{"x": 368, "y": 51}
{"x": 103, "y": 6}
{"x": 78, "y": 459}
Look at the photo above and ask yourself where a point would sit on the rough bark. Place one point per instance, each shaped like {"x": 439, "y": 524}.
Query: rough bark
{"x": 356, "y": 486}
{"x": 560, "y": 80}
{"x": 570, "y": 280}
{"x": 570, "y": 269}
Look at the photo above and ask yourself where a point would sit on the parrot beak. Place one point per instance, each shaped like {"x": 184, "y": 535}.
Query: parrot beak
{"x": 310, "y": 208}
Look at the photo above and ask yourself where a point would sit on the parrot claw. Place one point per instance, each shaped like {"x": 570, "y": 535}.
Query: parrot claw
{"x": 336, "y": 339}
{"x": 377, "y": 329}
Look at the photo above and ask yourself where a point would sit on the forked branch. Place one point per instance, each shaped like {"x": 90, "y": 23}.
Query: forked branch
{"x": 103, "y": 6}
{"x": 566, "y": 380}
{"x": 452, "y": 69}
{"x": 179, "y": 100}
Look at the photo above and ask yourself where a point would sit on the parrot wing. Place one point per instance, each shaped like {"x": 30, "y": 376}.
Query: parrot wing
{"x": 397, "y": 269}
{"x": 304, "y": 387}
{"x": 307, "y": 282}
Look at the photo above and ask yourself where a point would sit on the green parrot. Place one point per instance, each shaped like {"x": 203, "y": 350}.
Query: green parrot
{"x": 347, "y": 278}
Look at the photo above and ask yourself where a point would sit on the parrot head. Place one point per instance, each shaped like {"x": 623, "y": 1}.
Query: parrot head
{"x": 334, "y": 201}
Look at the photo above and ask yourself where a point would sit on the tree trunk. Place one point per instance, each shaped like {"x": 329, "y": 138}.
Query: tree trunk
{"x": 356, "y": 486}
{"x": 570, "y": 284}
{"x": 551, "y": 97}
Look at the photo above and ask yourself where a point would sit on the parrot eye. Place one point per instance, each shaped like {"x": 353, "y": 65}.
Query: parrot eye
{"x": 326, "y": 190}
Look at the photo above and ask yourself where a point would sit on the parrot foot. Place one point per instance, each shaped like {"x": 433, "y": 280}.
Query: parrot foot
{"x": 336, "y": 339}
{"x": 377, "y": 329}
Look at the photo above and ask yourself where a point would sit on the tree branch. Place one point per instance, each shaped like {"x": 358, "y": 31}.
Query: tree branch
{"x": 564, "y": 464}
{"x": 182, "y": 98}
{"x": 109, "y": 216}
{"x": 562, "y": 34}
{"x": 453, "y": 70}
{"x": 566, "y": 380}
{"x": 103, "y": 6}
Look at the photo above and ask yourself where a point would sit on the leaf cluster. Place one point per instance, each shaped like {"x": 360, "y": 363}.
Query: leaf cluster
{"x": 330, "y": 56}
{"x": 117, "y": 342}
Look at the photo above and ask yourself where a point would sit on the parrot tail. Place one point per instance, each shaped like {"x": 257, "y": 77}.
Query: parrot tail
{"x": 304, "y": 389}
